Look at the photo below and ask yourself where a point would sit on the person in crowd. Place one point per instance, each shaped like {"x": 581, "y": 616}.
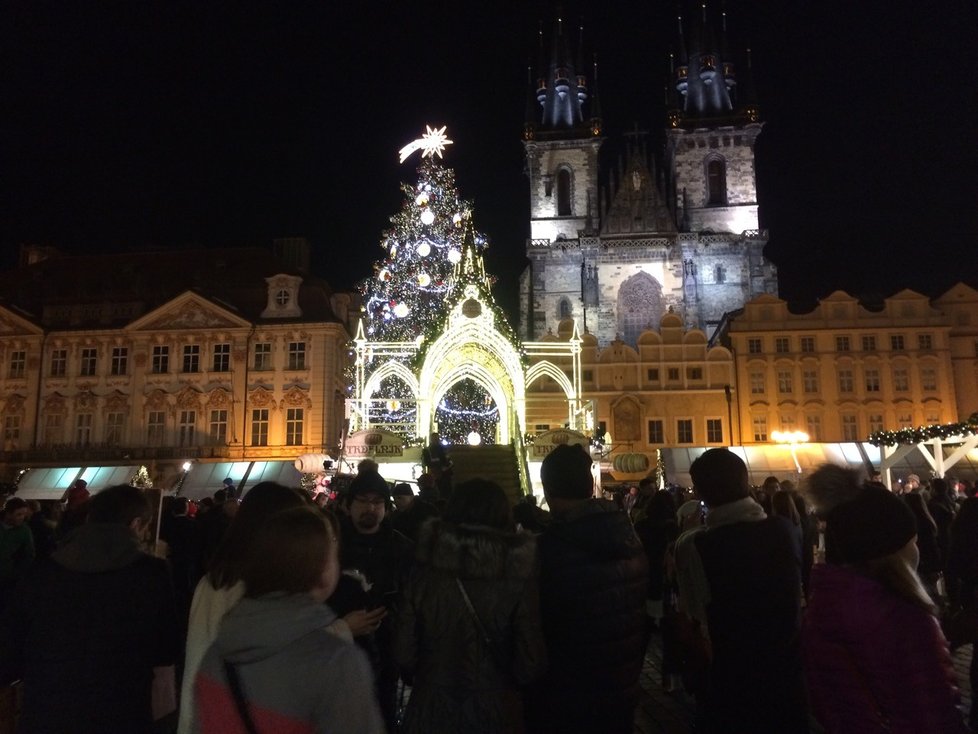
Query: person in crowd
{"x": 374, "y": 559}
{"x": 43, "y": 523}
{"x": 943, "y": 508}
{"x": 962, "y": 580}
{"x": 678, "y": 630}
{"x": 223, "y": 586}
{"x": 182, "y": 537}
{"x": 411, "y": 513}
{"x": 809, "y": 540}
{"x": 16, "y": 545}
{"x": 630, "y": 499}
{"x": 593, "y": 586}
{"x": 783, "y": 507}
{"x": 75, "y": 501}
{"x": 875, "y": 657}
{"x": 230, "y": 490}
{"x": 928, "y": 551}
{"x": 89, "y": 628}
{"x": 657, "y": 530}
{"x": 274, "y": 666}
{"x": 468, "y": 629}
{"x": 435, "y": 460}
{"x": 743, "y": 576}
{"x": 529, "y": 516}
{"x": 213, "y": 526}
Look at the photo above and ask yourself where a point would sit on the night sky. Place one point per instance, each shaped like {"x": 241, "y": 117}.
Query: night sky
{"x": 128, "y": 125}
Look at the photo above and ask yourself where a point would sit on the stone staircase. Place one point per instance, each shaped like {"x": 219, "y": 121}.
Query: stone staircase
{"x": 495, "y": 462}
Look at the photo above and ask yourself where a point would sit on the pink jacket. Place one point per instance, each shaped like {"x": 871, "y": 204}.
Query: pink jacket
{"x": 875, "y": 662}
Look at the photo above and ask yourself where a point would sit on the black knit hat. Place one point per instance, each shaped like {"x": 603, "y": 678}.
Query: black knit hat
{"x": 369, "y": 482}
{"x": 872, "y": 525}
{"x": 566, "y": 472}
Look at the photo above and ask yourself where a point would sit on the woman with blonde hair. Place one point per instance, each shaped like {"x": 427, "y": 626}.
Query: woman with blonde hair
{"x": 875, "y": 657}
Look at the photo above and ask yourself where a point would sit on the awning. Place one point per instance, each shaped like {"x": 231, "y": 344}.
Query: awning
{"x": 47, "y": 483}
{"x": 203, "y": 480}
{"x": 50, "y": 483}
{"x": 281, "y": 472}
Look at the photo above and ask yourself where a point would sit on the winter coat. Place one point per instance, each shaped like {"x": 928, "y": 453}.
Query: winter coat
{"x": 459, "y": 683}
{"x": 296, "y": 676}
{"x": 593, "y": 585}
{"x": 872, "y": 657}
{"x": 656, "y": 537}
{"x": 85, "y": 630}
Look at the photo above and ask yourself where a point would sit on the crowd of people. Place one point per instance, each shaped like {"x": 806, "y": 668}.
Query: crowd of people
{"x": 383, "y": 609}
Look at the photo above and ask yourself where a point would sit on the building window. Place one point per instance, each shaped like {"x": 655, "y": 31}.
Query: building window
{"x": 759, "y": 423}
{"x": 716, "y": 182}
{"x": 297, "y": 355}
{"x": 694, "y": 373}
{"x": 563, "y": 193}
{"x": 869, "y": 343}
{"x": 587, "y": 375}
{"x": 83, "y": 429}
{"x": 684, "y": 430}
{"x": 814, "y": 425}
{"x": 187, "y": 428}
{"x": 784, "y": 382}
{"x": 114, "y": 426}
{"x": 754, "y": 346}
{"x": 54, "y": 429}
{"x": 905, "y": 420}
{"x": 842, "y": 344}
{"x": 896, "y": 342}
{"x": 293, "y": 426}
{"x": 901, "y": 379}
{"x": 161, "y": 360}
{"x": 782, "y": 345}
{"x": 59, "y": 362}
{"x": 263, "y": 356}
{"x": 872, "y": 380}
{"x": 155, "y": 427}
{"x": 757, "y": 383}
{"x": 652, "y": 375}
{"x": 11, "y": 429}
{"x": 563, "y": 309}
{"x": 875, "y": 423}
{"x": 259, "y": 427}
{"x": 809, "y": 380}
{"x": 222, "y": 358}
{"x": 191, "y": 358}
{"x": 714, "y": 430}
{"x": 850, "y": 428}
{"x": 925, "y": 341}
{"x": 18, "y": 363}
{"x": 120, "y": 361}
{"x": 673, "y": 373}
{"x": 932, "y": 419}
{"x": 808, "y": 344}
{"x": 219, "y": 428}
{"x": 656, "y": 431}
{"x": 89, "y": 362}
{"x": 719, "y": 274}
{"x": 928, "y": 378}
{"x": 845, "y": 381}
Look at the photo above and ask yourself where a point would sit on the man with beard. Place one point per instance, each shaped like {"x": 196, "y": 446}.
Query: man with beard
{"x": 373, "y": 558}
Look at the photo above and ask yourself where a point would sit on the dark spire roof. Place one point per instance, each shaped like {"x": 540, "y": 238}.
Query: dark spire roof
{"x": 705, "y": 75}
{"x": 562, "y": 91}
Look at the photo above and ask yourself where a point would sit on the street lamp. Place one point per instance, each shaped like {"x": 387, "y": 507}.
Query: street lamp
{"x": 792, "y": 439}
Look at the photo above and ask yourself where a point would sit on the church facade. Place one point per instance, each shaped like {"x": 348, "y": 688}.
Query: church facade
{"x": 671, "y": 233}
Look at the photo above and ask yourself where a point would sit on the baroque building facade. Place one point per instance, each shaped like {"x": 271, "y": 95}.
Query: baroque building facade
{"x": 159, "y": 358}
{"x": 673, "y": 232}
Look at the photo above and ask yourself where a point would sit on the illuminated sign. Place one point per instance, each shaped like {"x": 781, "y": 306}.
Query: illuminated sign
{"x": 363, "y": 444}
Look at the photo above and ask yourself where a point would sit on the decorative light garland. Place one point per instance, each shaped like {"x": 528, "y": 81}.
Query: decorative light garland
{"x": 920, "y": 434}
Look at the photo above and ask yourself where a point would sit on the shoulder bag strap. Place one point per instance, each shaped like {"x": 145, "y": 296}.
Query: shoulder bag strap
{"x": 234, "y": 682}
{"x": 479, "y": 626}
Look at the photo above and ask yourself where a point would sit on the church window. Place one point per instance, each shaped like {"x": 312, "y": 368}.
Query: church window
{"x": 720, "y": 274}
{"x": 564, "y": 309}
{"x": 563, "y": 193}
{"x": 716, "y": 182}
{"x": 639, "y": 306}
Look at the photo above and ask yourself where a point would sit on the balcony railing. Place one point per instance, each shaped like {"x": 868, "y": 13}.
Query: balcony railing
{"x": 100, "y": 452}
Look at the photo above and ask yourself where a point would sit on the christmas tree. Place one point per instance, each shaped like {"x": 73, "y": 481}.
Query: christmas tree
{"x": 405, "y": 297}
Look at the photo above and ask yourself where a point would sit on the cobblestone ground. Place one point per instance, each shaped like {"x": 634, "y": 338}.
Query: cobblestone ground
{"x": 674, "y": 713}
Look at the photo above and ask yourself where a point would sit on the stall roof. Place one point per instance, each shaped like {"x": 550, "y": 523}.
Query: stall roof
{"x": 203, "y": 480}
{"x": 47, "y": 483}
{"x": 282, "y": 472}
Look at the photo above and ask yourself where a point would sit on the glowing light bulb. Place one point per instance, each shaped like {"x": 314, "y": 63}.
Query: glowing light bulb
{"x": 424, "y": 249}
{"x": 474, "y": 439}
{"x": 401, "y": 310}
{"x": 454, "y": 256}
{"x": 427, "y": 216}
{"x": 424, "y": 280}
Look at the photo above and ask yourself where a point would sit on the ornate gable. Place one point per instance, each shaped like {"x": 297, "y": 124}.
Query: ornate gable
{"x": 189, "y": 311}
{"x": 13, "y": 325}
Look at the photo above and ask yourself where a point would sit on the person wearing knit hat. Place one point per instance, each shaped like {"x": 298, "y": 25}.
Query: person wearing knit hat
{"x": 874, "y": 653}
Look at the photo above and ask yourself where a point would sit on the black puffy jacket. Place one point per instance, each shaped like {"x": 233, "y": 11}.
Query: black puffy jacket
{"x": 461, "y": 683}
{"x": 593, "y": 582}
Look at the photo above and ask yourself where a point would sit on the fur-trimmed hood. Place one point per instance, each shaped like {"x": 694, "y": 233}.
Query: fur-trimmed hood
{"x": 476, "y": 551}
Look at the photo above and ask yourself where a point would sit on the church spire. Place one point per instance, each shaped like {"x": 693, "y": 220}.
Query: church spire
{"x": 562, "y": 88}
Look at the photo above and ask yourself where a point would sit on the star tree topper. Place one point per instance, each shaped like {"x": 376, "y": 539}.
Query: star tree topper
{"x": 432, "y": 143}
